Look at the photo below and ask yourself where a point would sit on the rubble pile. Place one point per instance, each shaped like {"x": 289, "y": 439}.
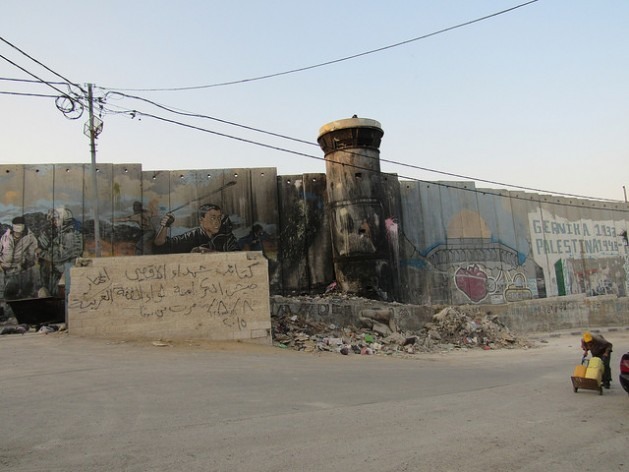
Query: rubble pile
{"x": 450, "y": 329}
{"x": 451, "y": 326}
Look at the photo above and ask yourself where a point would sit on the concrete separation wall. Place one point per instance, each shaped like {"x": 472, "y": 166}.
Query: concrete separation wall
{"x": 213, "y": 296}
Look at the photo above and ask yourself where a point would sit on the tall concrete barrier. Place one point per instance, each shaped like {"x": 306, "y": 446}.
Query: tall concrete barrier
{"x": 215, "y": 296}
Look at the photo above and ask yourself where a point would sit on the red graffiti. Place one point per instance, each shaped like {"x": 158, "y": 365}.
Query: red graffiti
{"x": 472, "y": 281}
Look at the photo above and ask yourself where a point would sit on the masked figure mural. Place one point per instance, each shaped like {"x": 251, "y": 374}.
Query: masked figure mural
{"x": 18, "y": 247}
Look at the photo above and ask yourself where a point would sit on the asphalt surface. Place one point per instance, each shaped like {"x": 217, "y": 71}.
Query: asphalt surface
{"x": 73, "y": 404}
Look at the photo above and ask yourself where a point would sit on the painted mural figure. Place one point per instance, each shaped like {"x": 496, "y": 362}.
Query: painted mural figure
{"x": 18, "y": 248}
{"x": 59, "y": 247}
{"x": 214, "y": 234}
{"x": 142, "y": 218}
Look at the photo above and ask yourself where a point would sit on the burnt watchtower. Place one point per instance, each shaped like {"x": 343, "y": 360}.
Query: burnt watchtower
{"x": 355, "y": 191}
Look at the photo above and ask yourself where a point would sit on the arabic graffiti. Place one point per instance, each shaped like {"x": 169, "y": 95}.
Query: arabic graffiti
{"x": 197, "y": 291}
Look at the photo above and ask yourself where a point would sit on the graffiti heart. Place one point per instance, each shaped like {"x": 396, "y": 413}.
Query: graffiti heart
{"x": 472, "y": 281}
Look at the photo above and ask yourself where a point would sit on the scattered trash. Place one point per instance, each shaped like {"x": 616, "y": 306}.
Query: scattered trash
{"x": 18, "y": 329}
{"x": 366, "y": 351}
{"x": 160, "y": 344}
{"x": 45, "y": 329}
{"x": 450, "y": 329}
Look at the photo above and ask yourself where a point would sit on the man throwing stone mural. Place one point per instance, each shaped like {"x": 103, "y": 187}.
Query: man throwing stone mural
{"x": 213, "y": 234}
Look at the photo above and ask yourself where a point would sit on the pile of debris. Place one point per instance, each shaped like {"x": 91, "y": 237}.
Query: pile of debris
{"x": 453, "y": 327}
{"x": 449, "y": 330}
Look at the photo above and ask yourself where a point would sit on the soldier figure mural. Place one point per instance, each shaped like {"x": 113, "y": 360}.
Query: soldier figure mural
{"x": 59, "y": 246}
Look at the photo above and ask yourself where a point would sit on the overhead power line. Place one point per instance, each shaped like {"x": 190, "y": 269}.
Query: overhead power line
{"x": 311, "y": 143}
{"x": 66, "y": 102}
{"x": 135, "y": 112}
{"x": 70, "y": 104}
{"x": 540, "y": 199}
{"x": 180, "y": 112}
{"x": 31, "y": 81}
{"x": 33, "y": 75}
{"x": 328, "y": 63}
{"x": 196, "y": 115}
{"x": 207, "y": 117}
{"x": 68, "y": 82}
{"x": 23, "y": 94}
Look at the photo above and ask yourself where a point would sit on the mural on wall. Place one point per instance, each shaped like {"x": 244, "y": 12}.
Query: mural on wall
{"x": 477, "y": 283}
{"x": 140, "y": 223}
{"x": 36, "y": 250}
{"x": 213, "y": 233}
{"x": 214, "y": 211}
{"x": 579, "y": 255}
{"x": 484, "y": 270}
{"x": 47, "y": 218}
{"x": 467, "y": 245}
{"x": 59, "y": 245}
{"x": 18, "y": 258}
{"x": 40, "y": 229}
{"x": 454, "y": 246}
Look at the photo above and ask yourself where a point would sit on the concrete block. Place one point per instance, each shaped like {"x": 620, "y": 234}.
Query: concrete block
{"x": 215, "y": 296}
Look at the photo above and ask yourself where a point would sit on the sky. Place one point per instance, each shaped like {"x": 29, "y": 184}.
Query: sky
{"x": 535, "y": 98}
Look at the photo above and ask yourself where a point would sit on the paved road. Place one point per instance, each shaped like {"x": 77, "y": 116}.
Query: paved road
{"x": 71, "y": 404}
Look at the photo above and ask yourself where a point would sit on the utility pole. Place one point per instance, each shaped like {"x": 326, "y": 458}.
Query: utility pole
{"x": 92, "y": 134}
{"x": 625, "y": 192}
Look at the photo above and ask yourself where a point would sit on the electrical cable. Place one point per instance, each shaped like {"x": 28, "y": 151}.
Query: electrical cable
{"x": 32, "y": 75}
{"x": 250, "y": 128}
{"x": 327, "y": 63}
{"x": 540, "y": 200}
{"x": 389, "y": 161}
{"x": 198, "y": 115}
{"x": 67, "y": 110}
{"x": 22, "y": 94}
{"x": 30, "y": 81}
{"x": 69, "y": 82}
{"x": 65, "y": 102}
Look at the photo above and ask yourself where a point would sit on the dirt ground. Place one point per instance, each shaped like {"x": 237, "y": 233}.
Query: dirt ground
{"x": 563, "y": 342}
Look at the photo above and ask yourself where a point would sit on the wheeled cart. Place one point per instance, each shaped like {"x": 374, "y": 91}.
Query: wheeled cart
{"x": 587, "y": 384}
{"x": 588, "y": 375}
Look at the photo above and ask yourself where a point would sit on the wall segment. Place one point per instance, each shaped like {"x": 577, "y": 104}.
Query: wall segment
{"x": 416, "y": 242}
